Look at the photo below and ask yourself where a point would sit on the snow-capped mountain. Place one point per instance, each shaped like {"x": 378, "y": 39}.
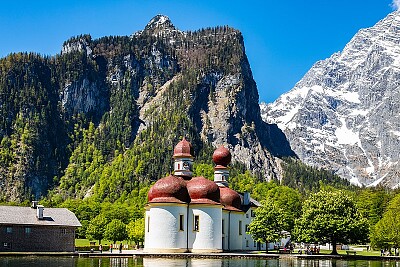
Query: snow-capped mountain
{"x": 344, "y": 114}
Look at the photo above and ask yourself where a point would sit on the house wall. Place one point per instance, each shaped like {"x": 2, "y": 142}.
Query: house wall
{"x": 248, "y": 242}
{"x": 40, "y": 238}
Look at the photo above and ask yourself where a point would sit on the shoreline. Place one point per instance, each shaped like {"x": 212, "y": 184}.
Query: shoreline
{"x": 223, "y": 255}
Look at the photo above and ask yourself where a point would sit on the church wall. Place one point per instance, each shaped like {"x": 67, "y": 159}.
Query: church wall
{"x": 225, "y": 233}
{"x": 248, "y": 242}
{"x": 162, "y": 228}
{"x": 235, "y": 237}
{"x": 208, "y": 237}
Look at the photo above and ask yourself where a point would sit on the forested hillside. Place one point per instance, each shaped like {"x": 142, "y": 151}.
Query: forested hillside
{"x": 101, "y": 118}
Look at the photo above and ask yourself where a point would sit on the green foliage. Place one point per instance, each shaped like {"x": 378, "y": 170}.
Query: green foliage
{"x": 386, "y": 234}
{"x": 97, "y": 227}
{"x": 372, "y": 202}
{"x": 309, "y": 179}
{"x": 290, "y": 202}
{"x": 136, "y": 230}
{"x": 331, "y": 216}
{"x": 205, "y": 170}
{"x": 269, "y": 222}
{"x": 115, "y": 231}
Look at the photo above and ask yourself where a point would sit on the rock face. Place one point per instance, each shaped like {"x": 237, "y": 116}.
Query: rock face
{"x": 224, "y": 105}
{"x": 344, "y": 113}
{"x": 110, "y": 97}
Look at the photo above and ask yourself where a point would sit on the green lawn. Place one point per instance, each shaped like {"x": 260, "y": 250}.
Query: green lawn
{"x": 105, "y": 243}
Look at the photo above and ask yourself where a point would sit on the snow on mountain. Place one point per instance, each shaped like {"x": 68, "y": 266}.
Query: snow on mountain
{"x": 344, "y": 114}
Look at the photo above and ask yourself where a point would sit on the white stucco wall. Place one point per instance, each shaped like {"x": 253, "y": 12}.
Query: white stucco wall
{"x": 162, "y": 231}
{"x": 234, "y": 237}
{"x": 248, "y": 242}
{"x": 209, "y": 237}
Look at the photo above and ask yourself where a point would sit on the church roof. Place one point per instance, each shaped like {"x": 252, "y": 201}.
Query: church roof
{"x": 170, "y": 189}
{"x": 222, "y": 156}
{"x": 230, "y": 199}
{"x": 203, "y": 191}
{"x": 183, "y": 149}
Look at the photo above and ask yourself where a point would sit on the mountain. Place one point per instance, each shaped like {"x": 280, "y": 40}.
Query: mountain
{"x": 344, "y": 114}
{"x": 102, "y": 116}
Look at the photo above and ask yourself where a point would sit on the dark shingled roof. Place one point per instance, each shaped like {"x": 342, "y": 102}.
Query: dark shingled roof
{"x": 27, "y": 216}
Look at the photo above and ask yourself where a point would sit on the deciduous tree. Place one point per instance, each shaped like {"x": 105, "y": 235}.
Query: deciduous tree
{"x": 269, "y": 222}
{"x": 386, "y": 233}
{"x": 115, "y": 231}
{"x": 331, "y": 216}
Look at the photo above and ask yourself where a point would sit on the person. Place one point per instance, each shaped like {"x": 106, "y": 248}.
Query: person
{"x": 101, "y": 248}
{"x": 111, "y": 247}
{"x": 120, "y": 248}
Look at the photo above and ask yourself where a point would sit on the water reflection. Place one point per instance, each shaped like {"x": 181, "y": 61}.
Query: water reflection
{"x": 150, "y": 262}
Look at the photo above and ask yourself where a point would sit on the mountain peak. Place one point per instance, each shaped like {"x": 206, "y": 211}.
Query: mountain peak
{"x": 341, "y": 115}
{"x": 159, "y": 22}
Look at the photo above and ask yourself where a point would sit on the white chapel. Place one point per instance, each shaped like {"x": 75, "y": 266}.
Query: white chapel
{"x": 193, "y": 214}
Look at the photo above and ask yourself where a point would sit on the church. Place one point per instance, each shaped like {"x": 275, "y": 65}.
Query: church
{"x": 193, "y": 214}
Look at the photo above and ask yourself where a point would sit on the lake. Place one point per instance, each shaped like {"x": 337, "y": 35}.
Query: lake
{"x": 150, "y": 262}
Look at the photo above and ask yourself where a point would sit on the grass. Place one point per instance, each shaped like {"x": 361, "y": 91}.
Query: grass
{"x": 86, "y": 243}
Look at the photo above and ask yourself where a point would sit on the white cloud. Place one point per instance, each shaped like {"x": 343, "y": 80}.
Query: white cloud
{"x": 396, "y": 4}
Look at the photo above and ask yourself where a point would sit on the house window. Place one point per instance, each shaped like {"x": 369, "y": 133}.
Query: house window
{"x": 63, "y": 231}
{"x": 247, "y": 243}
{"x": 255, "y": 244}
{"x": 247, "y": 215}
{"x": 223, "y": 226}
{"x": 148, "y": 224}
{"x": 9, "y": 230}
{"x": 253, "y": 214}
{"x": 196, "y": 223}
{"x": 240, "y": 227}
{"x": 28, "y": 230}
{"x": 181, "y": 222}
{"x": 247, "y": 228}
{"x": 7, "y": 245}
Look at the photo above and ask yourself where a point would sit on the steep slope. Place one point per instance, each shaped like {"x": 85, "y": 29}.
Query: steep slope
{"x": 114, "y": 107}
{"x": 344, "y": 113}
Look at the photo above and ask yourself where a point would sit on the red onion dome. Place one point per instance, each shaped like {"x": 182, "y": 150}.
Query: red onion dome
{"x": 203, "y": 191}
{"x": 183, "y": 149}
{"x": 230, "y": 199}
{"x": 170, "y": 189}
{"x": 222, "y": 156}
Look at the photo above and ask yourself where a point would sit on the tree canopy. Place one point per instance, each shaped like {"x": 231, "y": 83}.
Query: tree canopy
{"x": 386, "y": 233}
{"x": 116, "y": 231}
{"x": 269, "y": 222}
{"x": 331, "y": 216}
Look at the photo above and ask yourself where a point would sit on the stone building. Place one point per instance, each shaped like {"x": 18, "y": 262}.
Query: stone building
{"x": 193, "y": 214}
{"x": 37, "y": 229}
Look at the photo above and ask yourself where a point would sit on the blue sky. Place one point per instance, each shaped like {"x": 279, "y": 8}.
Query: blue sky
{"x": 283, "y": 39}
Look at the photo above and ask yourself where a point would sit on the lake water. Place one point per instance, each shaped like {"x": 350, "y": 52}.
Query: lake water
{"x": 155, "y": 262}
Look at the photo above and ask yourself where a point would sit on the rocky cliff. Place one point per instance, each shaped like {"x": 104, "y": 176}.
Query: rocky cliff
{"x": 127, "y": 100}
{"x": 344, "y": 113}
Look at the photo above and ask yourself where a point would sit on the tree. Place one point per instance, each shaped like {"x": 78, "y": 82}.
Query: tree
{"x": 289, "y": 200}
{"x": 115, "y": 231}
{"x": 386, "y": 233}
{"x": 135, "y": 230}
{"x": 96, "y": 228}
{"x": 268, "y": 223}
{"x": 331, "y": 216}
